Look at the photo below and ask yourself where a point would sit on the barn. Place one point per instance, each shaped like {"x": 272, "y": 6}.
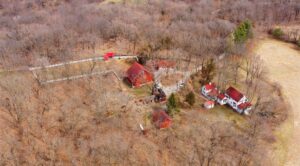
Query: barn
{"x": 138, "y": 75}
{"x": 161, "y": 119}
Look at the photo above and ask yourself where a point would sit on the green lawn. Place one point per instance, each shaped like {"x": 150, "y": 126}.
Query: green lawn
{"x": 142, "y": 91}
{"x": 224, "y": 112}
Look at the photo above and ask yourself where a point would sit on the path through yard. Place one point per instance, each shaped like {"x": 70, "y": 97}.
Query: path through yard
{"x": 283, "y": 63}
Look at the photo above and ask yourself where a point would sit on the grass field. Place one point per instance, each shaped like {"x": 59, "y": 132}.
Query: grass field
{"x": 283, "y": 63}
{"x": 119, "y": 66}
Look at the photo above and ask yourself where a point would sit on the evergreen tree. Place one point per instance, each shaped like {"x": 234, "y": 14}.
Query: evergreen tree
{"x": 243, "y": 32}
{"x": 172, "y": 105}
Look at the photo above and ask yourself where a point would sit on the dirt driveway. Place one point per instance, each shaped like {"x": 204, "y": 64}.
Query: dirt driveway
{"x": 283, "y": 63}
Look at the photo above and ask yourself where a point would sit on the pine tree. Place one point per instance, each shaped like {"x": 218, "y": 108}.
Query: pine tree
{"x": 243, "y": 32}
{"x": 172, "y": 105}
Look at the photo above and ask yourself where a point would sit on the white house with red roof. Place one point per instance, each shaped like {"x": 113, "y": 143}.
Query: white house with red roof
{"x": 210, "y": 91}
{"x": 237, "y": 101}
{"x": 232, "y": 97}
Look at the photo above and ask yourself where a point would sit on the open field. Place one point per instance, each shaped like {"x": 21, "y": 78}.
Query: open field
{"x": 69, "y": 70}
{"x": 283, "y": 63}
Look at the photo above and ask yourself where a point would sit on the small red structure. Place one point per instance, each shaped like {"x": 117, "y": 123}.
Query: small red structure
{"x": 164, "y": 64}
{"x": 137, "y": 75}
{"x": 209, "y": 104}
{"x": 161, "y": 119}
{"x": 108, "y": 55}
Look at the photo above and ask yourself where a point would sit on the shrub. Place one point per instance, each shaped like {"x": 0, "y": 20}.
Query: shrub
{"x": 172, "y": 105}
{"x": 243, "y": 32}
{"x": 190, "y": 98}
{"x": 298, "y": 43}
{"x": 277, "y": 33}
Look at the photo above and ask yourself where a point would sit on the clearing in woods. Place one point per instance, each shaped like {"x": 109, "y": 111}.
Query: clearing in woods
{"x": 283, "y": 63}
{"x": 45, "y": 75}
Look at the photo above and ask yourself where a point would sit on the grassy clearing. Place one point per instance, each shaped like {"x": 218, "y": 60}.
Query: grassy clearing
{"x": 281, "y": 146}
{"x": 224, "y": 112}
{"x": 141, "y": 91}
{"x": 119, "y": 66}
{"x": 282, "y": 61}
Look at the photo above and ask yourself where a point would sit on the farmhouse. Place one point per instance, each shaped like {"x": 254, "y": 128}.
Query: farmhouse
{"x": 237, "y": 101}
{"x": 210, "y": 91}
{"x": 232, "y": 97}
{"x": 137, "y": 75}
{"x": 161, "y": 119}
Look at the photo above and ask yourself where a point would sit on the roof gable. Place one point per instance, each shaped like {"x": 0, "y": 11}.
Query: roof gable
{"x": 161, "y": 119}
{"x": 234, "y": 94}
{"x": 210, "y": 86}
{"x": 135, "y": 70}
{"x": 244, "y": 105}
{"x": 221, "y": 96}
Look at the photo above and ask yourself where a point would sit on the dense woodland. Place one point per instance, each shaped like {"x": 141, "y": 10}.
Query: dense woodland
{"x": 55, "y": 125}
{"x": 36, "y": 31}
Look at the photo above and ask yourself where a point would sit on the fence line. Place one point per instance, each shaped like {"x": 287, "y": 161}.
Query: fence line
{"x": 79, "y": 61}
{"x": 80, "y": 76}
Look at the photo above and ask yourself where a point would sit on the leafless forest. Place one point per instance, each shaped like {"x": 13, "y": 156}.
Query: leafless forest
{"x": 87, "y": 122}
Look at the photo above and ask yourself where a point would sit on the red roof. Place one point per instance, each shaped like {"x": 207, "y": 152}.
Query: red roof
{"x": 210, "y": 86}
{"x": 209, "y": 102}
{"x": 108, "y": 55}
{"x": 161, "y": 119}
{"x": 234, "y": 94}
{"x": 138, "y": 75}
{"x": 165, "y": 64}
{"x": 221, "y": 96}
{"x": 213, "y": 93}
{"x": 244, "y": 105}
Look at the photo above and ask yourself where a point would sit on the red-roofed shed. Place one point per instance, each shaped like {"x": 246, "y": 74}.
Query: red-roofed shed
{"x": 108, "y": 55}
{"x": 137, "y": 75}
{"x": 161, "y": 119}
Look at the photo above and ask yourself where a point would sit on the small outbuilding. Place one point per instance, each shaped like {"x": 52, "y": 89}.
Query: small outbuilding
{"x": 138, "y": 75}
{"x": 108, "y": 55}
{"x": 161, "y": 119}
{"x": 209, "y": 104}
